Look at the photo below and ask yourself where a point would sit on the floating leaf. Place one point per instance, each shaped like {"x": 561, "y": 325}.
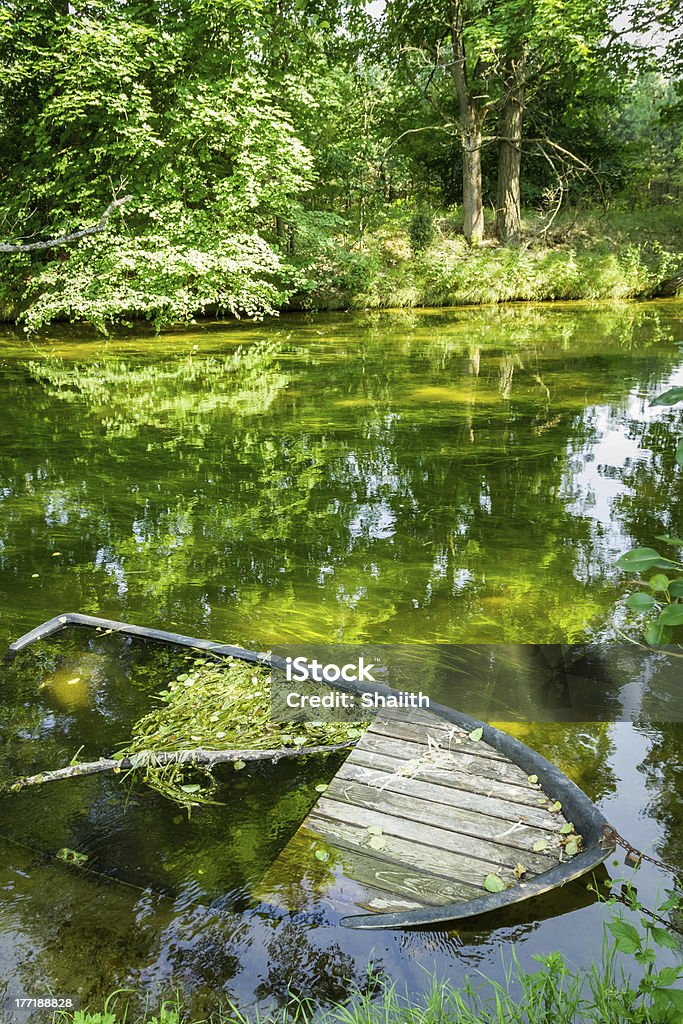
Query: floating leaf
{"x": 178, "y": 820}
{"x": 555, "y": 807}
{"x": 377, "y": 842}
{"x": 668, "y": 539}
{"x": 321, "y": 787}
{"x": 676, "y": 588}
{"x": 519, "y": 871}
{"x": 375, "y": 830}
{"x": 191, "y": 788}
{"x": 321, "y": 855}
{"x": 476, "y": 734}
{"x": 659, "y": 582}
{"x": 533, "y": 779}
{"x": 239, "y": 765}
{"x": 539, "y": 845}
{"x": 493, "y": 883}
{"x": 567, "y": 829}
{"x": 571, "y": 848}
{"x": 56, "y": 554}
{"x": 71, "y": 856}
{"x": 640, "y": 602}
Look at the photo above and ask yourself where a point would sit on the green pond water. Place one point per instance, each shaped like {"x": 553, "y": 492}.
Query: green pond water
{"x": 441, "y": 477}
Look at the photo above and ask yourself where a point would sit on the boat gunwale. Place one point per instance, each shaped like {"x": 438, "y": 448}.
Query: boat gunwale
{"x": 577, "y": 807}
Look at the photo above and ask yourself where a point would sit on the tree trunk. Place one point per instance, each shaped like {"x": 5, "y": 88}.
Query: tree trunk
{"x": 508, "y": 204}
{"x": 471, "y": 127}
{"x": 473, "y": 208}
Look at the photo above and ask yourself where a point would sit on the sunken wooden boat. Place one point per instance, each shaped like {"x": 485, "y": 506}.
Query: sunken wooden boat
{"x": 434, "y": 817}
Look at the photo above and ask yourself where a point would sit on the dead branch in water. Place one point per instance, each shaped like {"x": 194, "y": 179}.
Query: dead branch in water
{"x": 156, "y": 759}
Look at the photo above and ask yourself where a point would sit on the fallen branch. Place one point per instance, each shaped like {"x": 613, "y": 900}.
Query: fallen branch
{"x": 95, "y": 229}
{"x": 155, "y": 759}
{"x": 667, "y": 289}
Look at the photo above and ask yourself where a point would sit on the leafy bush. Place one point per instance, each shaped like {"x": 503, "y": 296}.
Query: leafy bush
{"x": 421, "y": 230}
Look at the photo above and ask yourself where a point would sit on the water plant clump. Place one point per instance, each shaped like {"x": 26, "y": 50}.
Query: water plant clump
{"x": 219, "y": 705}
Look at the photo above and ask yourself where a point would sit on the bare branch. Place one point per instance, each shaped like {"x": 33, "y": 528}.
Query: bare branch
{"x": 95, "y": 229}
{"x": 154, "y": 759}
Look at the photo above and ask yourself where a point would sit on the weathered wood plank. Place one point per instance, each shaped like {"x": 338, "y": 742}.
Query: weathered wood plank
{"x": 468, "y": 792}
{"x": 296, "y": 881}
{"x": 451, "y": 739}
{"x": 453, "y": 867}
{"x": 406, "y": 750}
{"x": 424, "y": 834}
{"x": 475, "y": 776}
{"x": 417, "y": 805}
{"x": 384, "y": 875}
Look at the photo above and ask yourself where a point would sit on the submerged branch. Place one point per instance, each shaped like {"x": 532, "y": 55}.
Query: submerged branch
{"x": 155, "y": 759}
{"x": 95, "y": 229}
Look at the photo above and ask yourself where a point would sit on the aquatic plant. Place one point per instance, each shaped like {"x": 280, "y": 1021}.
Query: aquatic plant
{"x": 218, "y": 705}
{"x": 606, "y": 992}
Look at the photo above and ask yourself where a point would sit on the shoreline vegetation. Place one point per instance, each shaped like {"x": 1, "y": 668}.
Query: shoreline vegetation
{"x": 617, "y": 256}
{"x": 623, "y": 987}
{"x": 241, "y": 159}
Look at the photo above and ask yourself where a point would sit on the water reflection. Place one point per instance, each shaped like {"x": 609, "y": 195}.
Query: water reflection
{"x": 431, "y": 476}
{"x": 440, "y": 476}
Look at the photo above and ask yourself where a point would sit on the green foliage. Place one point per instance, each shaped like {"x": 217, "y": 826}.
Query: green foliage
{"x": 421, "y": 230}
{"x": 218, "y": 705}
{"x": 265, "y": 147}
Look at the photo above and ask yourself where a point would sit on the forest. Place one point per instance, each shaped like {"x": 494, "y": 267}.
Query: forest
{"x": 166, "y": 161}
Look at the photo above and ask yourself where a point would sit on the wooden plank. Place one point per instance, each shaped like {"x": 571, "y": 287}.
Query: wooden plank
{"x": 296, "y": 881}
{"x": 442, "y": 791}
{"x": 405, "y": 751}
{"x": 478, "y": 778}
{"x": 381, "y": 874}
{"x": 452, "y": 867}
{"x": 417, "y": 805}
{"x": 454, "y": 740}
{"x": 423, "y": 834}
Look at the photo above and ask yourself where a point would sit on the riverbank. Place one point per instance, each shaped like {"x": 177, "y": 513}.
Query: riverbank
{"x": 606, "y": 992}
{"x": 411, "y": 259}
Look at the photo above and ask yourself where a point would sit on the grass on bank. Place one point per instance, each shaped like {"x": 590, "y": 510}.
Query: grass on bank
{"x": 408, "y": 258}
{"x": 631, "y": 984}
{"x": 589, "y": 255}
